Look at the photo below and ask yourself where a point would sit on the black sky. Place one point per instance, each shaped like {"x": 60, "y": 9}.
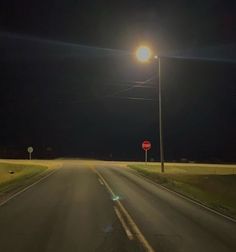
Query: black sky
{"x": 121, "y": 24}
{"x": 66, "y": 100}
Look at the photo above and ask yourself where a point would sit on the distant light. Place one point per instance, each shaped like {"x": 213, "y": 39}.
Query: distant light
{"x": 155, "y": 57}
{"x": 143, "y": 54}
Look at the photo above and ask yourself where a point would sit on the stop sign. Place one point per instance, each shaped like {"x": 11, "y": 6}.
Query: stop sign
{"x": 146, "y": 145}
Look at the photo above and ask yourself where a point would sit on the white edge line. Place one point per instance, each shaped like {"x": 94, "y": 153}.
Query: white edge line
{"x": 127, "y": 231}
{"x": 184, "y": 197}
{"x": 26, "y": 188}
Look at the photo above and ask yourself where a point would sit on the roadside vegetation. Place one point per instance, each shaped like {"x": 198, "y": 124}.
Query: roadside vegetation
{"x": 13, "y": 175}
{"x": 212, "y": 185}
{"x": 17, "y": 174}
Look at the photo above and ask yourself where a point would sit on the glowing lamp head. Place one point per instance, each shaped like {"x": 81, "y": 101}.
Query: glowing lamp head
{"x": 143, "y": 54}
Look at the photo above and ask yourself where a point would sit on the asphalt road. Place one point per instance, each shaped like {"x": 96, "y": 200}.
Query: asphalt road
{"x": 73, "y": 210}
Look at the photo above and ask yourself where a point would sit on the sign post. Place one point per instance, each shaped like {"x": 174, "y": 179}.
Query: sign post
{"x": 30, "y": 150}
{"x": 145, "y": 156}
{"x": 146, "y": 145}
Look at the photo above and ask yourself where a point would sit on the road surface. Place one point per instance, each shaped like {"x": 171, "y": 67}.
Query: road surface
{"x": 96, "y": 206}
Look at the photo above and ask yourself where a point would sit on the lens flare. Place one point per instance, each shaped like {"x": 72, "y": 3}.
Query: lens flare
{"x": 115, "y": 198}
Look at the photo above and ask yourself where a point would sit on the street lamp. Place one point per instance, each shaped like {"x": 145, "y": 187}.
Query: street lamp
{"x": 144, "y": 55}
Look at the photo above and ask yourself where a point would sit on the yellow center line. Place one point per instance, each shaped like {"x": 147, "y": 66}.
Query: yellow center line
{"x": 100, "y": 181}
{"x": 131, "y": 222}
{"x": 127, "y": 231}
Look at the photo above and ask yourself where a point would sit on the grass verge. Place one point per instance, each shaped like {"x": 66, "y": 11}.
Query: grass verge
{"x": 215, "y": 191}
{"x": 14, "y": 176}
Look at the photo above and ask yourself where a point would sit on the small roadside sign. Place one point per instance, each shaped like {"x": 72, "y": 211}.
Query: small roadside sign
{"x": 146, "y": 145}
{"x": 30, "y": 150}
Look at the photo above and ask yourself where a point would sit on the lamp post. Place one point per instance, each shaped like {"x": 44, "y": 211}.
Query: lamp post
{"x": 160, "y": 117}
{"x": 144, "y": 55}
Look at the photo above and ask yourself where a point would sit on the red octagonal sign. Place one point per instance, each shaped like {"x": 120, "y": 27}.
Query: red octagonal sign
{"x": 146, "y": 145}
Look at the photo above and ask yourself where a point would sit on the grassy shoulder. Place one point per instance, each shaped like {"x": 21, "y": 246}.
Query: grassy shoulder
{"x": 13, "y": 175}
{"x": 214, "y": 190}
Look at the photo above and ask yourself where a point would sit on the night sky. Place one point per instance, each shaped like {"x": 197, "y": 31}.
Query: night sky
{"x": 71, "y": 87}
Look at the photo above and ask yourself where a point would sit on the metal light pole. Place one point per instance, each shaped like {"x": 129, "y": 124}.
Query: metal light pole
{"x": 160, "y": 117}
{"x": 144, "y": 54}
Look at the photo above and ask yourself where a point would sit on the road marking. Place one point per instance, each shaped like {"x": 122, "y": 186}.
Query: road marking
{"x": 127, "y": 231}
{"x": 100, "y": 181}
{"x": 26, "y": 188}
{"x": 184, "y": 197}
{"x": 131, "y": 222}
